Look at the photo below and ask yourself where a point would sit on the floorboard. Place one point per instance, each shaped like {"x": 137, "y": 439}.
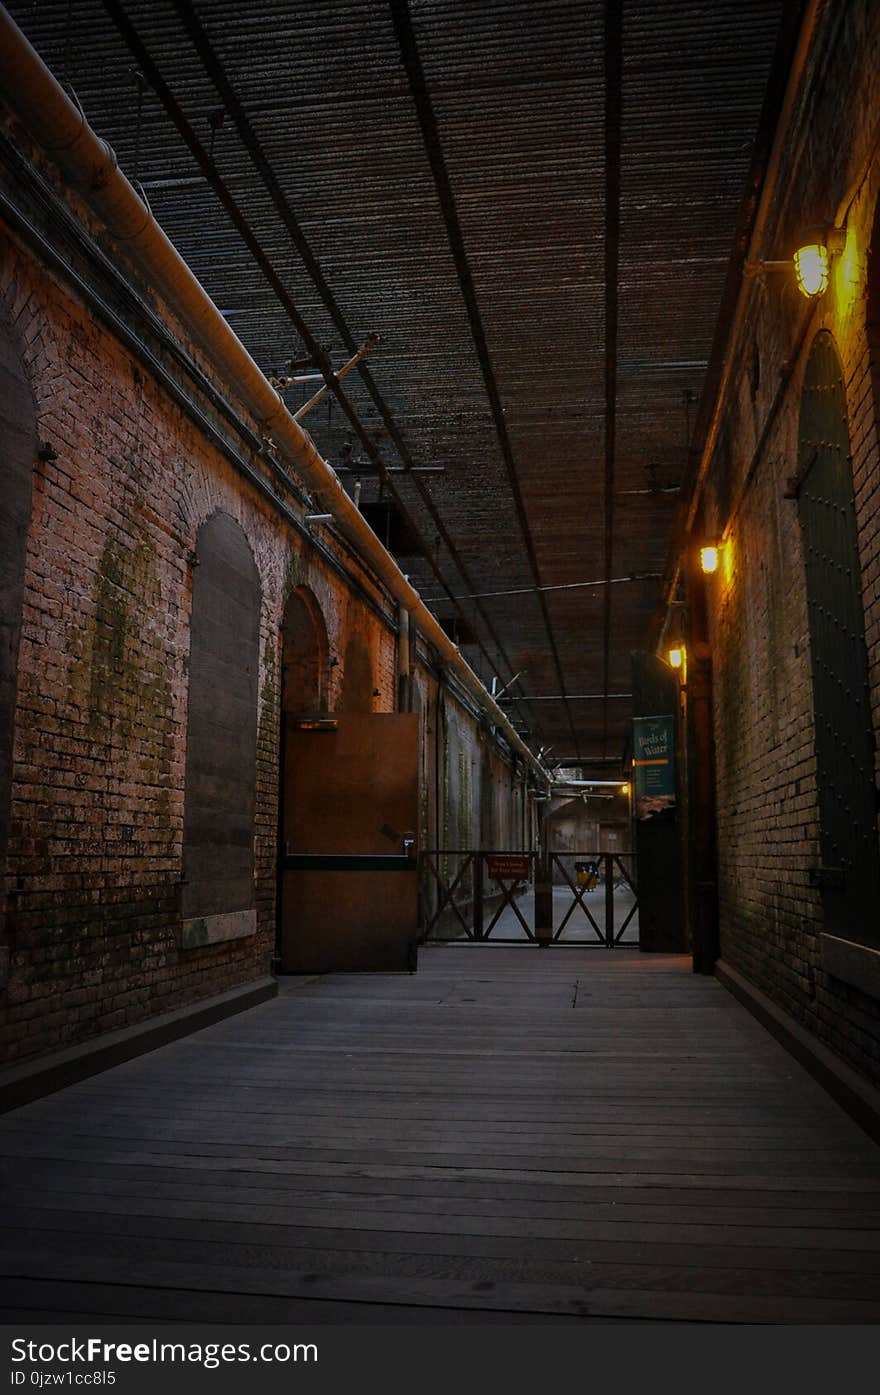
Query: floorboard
{"x": 508, "y": 1135}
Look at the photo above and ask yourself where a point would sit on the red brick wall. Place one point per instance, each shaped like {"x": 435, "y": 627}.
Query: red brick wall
{"x": 92, "y": 884}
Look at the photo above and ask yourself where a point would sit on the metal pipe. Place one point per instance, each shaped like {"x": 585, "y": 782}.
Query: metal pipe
{"x": 496, "y": 692}
{"x": 404, "y": 677}
{"x": 88, "y": 162}
{"x": 343, "y": 373}
{"x": 657, "y": 489}
{"x": 575, "y": 697}
{"x": 587, "y": 784}
{"x": 555, "y": 586}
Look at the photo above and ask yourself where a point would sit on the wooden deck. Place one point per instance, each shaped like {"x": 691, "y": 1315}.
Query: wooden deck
{"x": 511, "y": 1134}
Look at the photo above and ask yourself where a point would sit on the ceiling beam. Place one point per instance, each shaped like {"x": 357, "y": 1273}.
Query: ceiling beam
{"x": 613, "y": 33}
{"x": 412, "y": 63}
{"x": 212, "y": 174}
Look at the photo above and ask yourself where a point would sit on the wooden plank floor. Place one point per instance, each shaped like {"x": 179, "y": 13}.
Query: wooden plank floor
{"x": 512, "y": 1134}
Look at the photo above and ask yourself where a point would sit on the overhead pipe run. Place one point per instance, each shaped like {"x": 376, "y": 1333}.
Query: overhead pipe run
{"x": 556, "y": 586}
{"x": 587, "y": 789}
{"x": 88, "y": 162}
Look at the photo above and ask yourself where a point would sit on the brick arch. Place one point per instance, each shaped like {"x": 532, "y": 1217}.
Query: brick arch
{"x": 304, "y": 679}
{"x": 18, "y": 446}
{"x": 358, "y": 677}
{"x": 304, "y": 654}
{"x": 849, "y": 875}
{"x": 872, "y": 310}
{"x": 221, "y": 753}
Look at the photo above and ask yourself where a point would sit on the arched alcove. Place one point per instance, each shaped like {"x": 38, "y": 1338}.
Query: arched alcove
{"x": 304, "y": 650}
{"x": 357, "y": 677}
{"x": 18, "y": 445}
{"x": 304, "y": 672}
{"x": 872, "y": 310}
{"x": 849, "y": 874}
{"x": 221, "y": 752}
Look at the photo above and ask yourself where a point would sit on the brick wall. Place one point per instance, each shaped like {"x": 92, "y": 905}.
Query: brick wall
{"x": 92, "y": 887}
{"x": 771, "y": 916}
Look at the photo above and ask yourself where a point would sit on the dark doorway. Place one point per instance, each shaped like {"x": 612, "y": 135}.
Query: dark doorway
{"x": 304, "y": 670}
{"x": 658, "y": 835}
{"x": 849, "y": 872}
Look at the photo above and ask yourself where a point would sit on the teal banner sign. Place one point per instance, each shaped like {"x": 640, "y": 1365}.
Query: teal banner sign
{"x": 653, "y": 764}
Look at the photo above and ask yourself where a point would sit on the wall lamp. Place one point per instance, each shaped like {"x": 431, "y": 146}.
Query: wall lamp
{"x": 711, "y": 555}
{"x": 675, "y": 656}
{"x": 811, "y": 260}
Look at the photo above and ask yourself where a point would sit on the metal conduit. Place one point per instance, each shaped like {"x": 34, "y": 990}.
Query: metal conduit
{"x": 60, "y": 128}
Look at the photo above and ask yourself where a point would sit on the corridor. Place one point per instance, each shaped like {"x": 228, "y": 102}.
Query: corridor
{"x": 509, "y": 1135}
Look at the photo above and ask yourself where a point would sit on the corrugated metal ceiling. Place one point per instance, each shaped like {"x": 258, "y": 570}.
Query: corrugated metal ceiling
{"x": 516, "y": 92}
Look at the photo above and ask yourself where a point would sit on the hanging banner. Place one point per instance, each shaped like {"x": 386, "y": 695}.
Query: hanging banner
{"x": 653, "y": 765}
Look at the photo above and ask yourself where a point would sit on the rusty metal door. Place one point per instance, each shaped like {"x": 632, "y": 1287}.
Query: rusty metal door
{"x": 849, "y": 874}
{"x": 349, "y": 880}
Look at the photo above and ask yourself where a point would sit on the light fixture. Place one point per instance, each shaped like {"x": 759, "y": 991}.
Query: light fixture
{"x": 624, "y": 788}
{"x": 811, "y": 260}
{"x": 811, "y": 263}
{"x": 675, "y": 656}
{"x": 709, "y": 557}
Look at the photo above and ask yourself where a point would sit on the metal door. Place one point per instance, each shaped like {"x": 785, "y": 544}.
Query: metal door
{"x": 349, "y": 882}
{"x": 849, "y": 875}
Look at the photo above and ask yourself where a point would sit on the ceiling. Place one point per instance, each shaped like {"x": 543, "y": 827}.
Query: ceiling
{"x": 534, "y": 204}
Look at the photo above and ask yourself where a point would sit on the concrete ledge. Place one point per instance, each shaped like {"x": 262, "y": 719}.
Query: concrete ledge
{"x": 857, "y": 1096}
{"x": 855, "y": 964}
{"x": 214, "y": 929}
{"x": 32, "y": 1079}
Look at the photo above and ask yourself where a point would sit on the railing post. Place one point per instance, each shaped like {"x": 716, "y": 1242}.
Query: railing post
{"x": 544, "y": 888}
{"x": 478, "y": 895}
{"x": 609, "y": 900}
{"x": 420, "y": 902}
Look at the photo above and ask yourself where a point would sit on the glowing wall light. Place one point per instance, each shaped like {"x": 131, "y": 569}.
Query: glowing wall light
{"x": 811, "y": 261}
{"x": 709, "y": 558}
{"x": 676, "y": 656}
{"x": 811, "y": 268}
